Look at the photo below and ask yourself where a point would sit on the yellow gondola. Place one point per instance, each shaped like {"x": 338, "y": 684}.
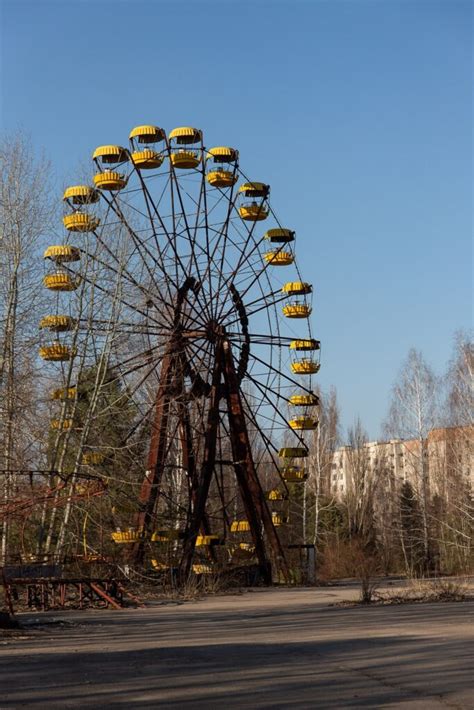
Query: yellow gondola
{"x": 147, "y": 134}
{"x": 126, "y": 536}
{"x": 296, "y": 310}
{"x": 62, "y": 253}
{"x": 293, "y": 452}
{"x": 80, "y": 222}
{"x": 254, "y": 212}
{"x": 293, "y": 474}
{"x": 147, "y": 159}
{"x": 279, "y": 236}
{"x": 204, "y": 540}
{"x": 306, "y": 345}
{"x": 60, "y": 282}
{"x": 276, "y": 494}
{"x": 221, "y": 160}
{"x": 57, "y": 352}
{"x": 305, "y": 367}
{"x": 279, "y": 519}
{"x": 110, "y": 180}
{"x": 250, "y": 209}
{"x": 304, "y": 400}
{"x": 240, "y": 526}
{"x": 64, "y": 425}
{"x": 81, "y": 195}
{"x": 221, "y": 178}
{"x": 279, "y": 258}
{"x": 303, "y": 423}
{"x": 297, "y": 288}
{"x": 58, "y": 324}
{"x": 185, "y": 158}
{"x": 110, "y": 154}
{"x": 63, "y": 393}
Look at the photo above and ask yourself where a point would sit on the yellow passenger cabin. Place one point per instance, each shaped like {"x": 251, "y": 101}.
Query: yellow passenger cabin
{"x": 279, "y": 518}
{"x": 81, "y": 195}
{"x": 61, "y": 281}
{"x": 144, "y": 154}
{"x": 297, "y": 288}
{"x": 304, "y": 400}
{"x": 278, "y": 257}
{"x": 57, "y": 323}
{"x": 221, "y": 166}
{"x": 147, "y": 159}
{"x": 62, "y": 253}
{"x": 110, "y": 155}
{"x": 294, "y": 474}
{"x": 185, "y": 147}
{"x": 275, "y": 495}
{"x": 293, "y": 452}
{"x": 205, "y": 540}
{"x": 303, "y": 423}
{"x": 296, "y": 310}
{"x": 80, "y": 222}
{"x": 64, "y": 393}
{"x": 279, "y": 236}
{"x": 61, "y": 425}
{"x": 240, "y": 526}
{"x": 110, "y": 180}
{"x": 146, "y": 134}
{"x": 123, "y": 537}
{"x": 253, "y": 201}
{"x": 305, "y": 366}
{"x": 57, "y": 352}
{"x": 305, "y": 345}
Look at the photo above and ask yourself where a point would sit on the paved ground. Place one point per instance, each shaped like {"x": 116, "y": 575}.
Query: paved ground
{"x": 263, "y": 649}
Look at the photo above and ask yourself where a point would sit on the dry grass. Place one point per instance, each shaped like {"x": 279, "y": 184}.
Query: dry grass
{"x": 429, "y": 590}
{"x": 196, "y": 587}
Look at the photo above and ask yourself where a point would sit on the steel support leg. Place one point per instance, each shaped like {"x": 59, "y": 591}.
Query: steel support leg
{"x": 252, "y": 495}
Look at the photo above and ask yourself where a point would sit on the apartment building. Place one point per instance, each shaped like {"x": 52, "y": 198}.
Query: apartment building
{"x": 446, "y": 458}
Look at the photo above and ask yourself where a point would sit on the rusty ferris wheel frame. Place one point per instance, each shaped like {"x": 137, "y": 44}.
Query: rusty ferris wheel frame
{"x": 198, "y": 274}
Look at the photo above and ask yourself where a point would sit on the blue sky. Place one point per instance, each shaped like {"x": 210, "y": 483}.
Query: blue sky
{"x": 357, "y": 113}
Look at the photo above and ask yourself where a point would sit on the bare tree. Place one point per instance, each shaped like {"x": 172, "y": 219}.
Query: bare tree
{"x": 361, "y": 487}
{"x": 460, "y": 379}
{"x": 452, "y": 453}
{"x": 412, "y": 416}
{"x": 25, "y": 216}
{"x": 323, "y": 445}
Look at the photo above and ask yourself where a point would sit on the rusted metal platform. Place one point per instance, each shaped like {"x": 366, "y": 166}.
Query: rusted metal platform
{"x": 52, "y": 593}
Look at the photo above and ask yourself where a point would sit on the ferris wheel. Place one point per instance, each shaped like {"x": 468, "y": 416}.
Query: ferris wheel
{"x": 173, "y": 300}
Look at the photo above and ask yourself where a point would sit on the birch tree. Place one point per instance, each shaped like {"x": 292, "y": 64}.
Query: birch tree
{"x": 25, "y": 216}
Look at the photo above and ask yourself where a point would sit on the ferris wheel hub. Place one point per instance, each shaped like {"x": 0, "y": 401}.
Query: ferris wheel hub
{"x": 214, "y": 331}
